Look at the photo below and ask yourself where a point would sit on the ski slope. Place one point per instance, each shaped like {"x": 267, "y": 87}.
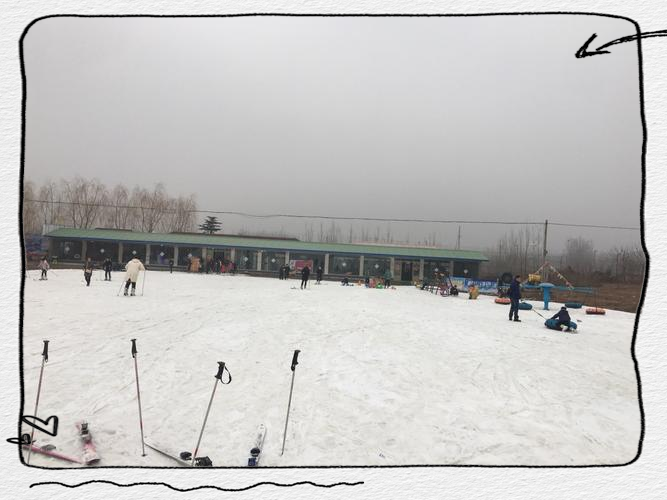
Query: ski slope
{"x": 385, "y": 377}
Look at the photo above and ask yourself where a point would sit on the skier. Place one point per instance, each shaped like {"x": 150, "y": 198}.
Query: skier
{"x": 514, "y": 294}
{"x": 563, "y": 318}
{"x": 319, "y": 274}
{"x": 171, "y": 266}
{"x": 286, "y": 274}
{"x": 107, "y": 265}
{"x": 88, "y": 270}
{"x": 305, "y": 272}
{"x": 44, "y": 266}
{"x": 132, "y": 269}
{"x": 387, "y": 278}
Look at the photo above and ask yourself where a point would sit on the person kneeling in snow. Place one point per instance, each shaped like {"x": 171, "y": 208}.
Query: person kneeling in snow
{"x": 563, "y": 318}
{"x": 345, "y": 281}
{"x": 132, "y": 269}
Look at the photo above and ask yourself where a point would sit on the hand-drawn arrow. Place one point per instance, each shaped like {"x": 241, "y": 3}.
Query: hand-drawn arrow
{"x": 584, "y": 52}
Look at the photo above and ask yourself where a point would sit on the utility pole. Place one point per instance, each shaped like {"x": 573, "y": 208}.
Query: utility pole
{"x": 544, "y": 250}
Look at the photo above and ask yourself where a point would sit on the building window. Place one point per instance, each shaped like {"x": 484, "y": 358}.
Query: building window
{"x": 432, "y": 268}
{"x": 343, "y": 264}
{"x": 132, "y": 250}
{"x": 406, "y": 270}
{"x": 272, "y": 261}
{"x": 246, "y": 260}
{"x": 375, "y": 266}
{"x": 160, "y": 254}
{"x": 98, "y": 251}
{"x": 221, "y": 254}
{"x": 187, "y": 253}
{"x": 472, "y": 269}
{"x": 298, "y": 260}
{"x": 68, "y": 250}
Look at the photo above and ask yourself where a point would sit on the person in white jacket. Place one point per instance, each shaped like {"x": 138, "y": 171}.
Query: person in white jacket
{"x": 132, "y": 269}
{"x": 44, "y": 266}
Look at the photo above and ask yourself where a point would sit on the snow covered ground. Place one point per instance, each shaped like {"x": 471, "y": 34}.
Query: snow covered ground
{"x": 385, "y": 377}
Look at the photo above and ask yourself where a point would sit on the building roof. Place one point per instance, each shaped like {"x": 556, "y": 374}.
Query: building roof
{"x": 230, "y": 241}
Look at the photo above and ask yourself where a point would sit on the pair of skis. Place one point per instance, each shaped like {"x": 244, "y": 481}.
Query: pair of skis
{"x": 184, "y": 458}
{"x": 88, "y": 457}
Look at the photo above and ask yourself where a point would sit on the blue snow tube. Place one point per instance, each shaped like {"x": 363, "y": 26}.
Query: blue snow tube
{"x": 551, "y": 324}
{"x": 573, "y": 305}
{"x": 525, "y": 306}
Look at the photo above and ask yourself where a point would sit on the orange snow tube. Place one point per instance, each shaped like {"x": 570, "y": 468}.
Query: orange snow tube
{"x": 502, "y": 300}
{"x": 595, "y": 310}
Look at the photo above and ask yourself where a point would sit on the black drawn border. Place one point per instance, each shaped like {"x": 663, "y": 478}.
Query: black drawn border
{"x": 499, "y": 14}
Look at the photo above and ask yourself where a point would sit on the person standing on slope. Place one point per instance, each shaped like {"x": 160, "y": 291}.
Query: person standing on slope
{"x": 107, "y": 265}
{"x": 387, "y": 278}
{"x": 305, "y": 273}
{"x": 514, "y": 293}
{"x": 319, "y": 274}
{"x": 44, "y": 266}
{"x": 88, "y": 270}
{"x": 132, "y": 269}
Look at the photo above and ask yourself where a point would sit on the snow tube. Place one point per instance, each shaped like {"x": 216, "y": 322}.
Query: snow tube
{"x": 551, "y": 324}
{"x": 573, "y": 305}
{"x": 502, "y": 300}
{"x": 525, "y": 306}
{"x": 595, "y": 310}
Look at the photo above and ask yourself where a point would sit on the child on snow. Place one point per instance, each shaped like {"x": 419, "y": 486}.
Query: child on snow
{"x": 44, "y": 266}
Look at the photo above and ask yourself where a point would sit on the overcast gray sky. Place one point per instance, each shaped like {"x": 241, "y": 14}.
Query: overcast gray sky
{"x": 487, "y": 118}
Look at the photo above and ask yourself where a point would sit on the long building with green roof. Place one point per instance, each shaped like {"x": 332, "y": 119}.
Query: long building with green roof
{"x": 261, "y": 255}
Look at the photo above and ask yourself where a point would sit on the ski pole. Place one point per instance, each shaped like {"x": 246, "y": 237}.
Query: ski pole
{"x": 294, "y": 363}
{"x": 45, "y": 359}
{"x": 143, "y": 282}
{"x": 122, "y": 283}
{"x": 218, "y": 378}
{"x": 136, "y": 373}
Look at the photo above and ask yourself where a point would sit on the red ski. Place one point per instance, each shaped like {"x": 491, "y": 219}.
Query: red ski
{"x": 49, "y": 450}
{"x": 90, "y": 455}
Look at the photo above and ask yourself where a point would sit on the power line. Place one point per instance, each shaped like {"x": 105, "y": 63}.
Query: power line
{"x": 331, "y": 217}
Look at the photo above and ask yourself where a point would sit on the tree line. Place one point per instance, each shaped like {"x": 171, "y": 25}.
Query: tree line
{"x": 87, "y": 203}
{"x": 522, "y": 252}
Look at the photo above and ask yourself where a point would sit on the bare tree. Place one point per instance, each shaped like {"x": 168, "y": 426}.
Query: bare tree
{"x": 30, "y": 215}
{"x": 151, "y": 207}
{"x": 51, "y": 210}
{"x": 180, "y": 215}
{"x": 118, "y": 215}
{"x": 84, "y": 201}
{"x": 580, "y": 255}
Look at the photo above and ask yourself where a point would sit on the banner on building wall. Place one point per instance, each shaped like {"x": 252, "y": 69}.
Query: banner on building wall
{"x": 35, "y": 246}
{"x": 298, "y": 265}
{"x": 483, "y": 285}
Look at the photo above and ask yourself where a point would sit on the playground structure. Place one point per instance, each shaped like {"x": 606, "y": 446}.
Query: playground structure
{"x": 534, "y": 284}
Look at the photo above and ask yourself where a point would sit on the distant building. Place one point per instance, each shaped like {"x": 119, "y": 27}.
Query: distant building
{"x": 259, "y": 255}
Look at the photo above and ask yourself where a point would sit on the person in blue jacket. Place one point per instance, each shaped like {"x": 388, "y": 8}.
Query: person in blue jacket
{"x": 563, "y": 318}
{"x": 514, "y": 293}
